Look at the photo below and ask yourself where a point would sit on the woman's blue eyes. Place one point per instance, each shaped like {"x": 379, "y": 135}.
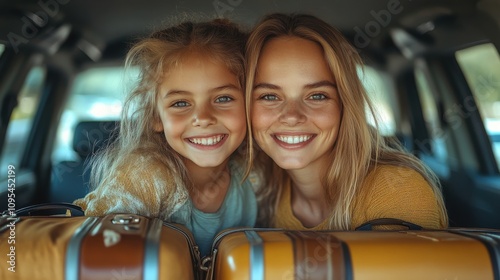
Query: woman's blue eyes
{"x": 315, "y": 96}
{"x": 269, "y": 97}
{"x": 318, "y": 96}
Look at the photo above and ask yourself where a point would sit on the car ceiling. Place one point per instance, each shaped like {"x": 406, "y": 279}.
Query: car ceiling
{"x": 109, "y": 25}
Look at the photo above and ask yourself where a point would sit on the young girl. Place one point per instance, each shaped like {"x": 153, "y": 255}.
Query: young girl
{"x": 178, "y": 155}
{"x": 331, "y": 169}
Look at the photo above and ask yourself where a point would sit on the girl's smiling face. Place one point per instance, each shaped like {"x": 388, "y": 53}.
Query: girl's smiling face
{"x": 202, "y": 111}
{"x": 296, "y": 110}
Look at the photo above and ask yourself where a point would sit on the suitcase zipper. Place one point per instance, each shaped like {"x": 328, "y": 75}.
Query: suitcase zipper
{"x": 225, "y": 232}
{"x": 195, "y": 250}
{"x": 207, "y": 261}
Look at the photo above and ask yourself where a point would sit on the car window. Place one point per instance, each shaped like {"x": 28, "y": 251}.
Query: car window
{"x": 481, "y": 67}
{"x": 436, "y": 146}
{"x": 97, "y": 94}
{"x": 21, "y": 119}
{"x": 381, "y": 94}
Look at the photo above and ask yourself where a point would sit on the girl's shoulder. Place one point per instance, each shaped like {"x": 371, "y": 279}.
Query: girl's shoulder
{"x": 143, "y": 160}
{"x": 148, "y": 166}
{"x": 138, "y": 161}
{"x": 140, "y": 183}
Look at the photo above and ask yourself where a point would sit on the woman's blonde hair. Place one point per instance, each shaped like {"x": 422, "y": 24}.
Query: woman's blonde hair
{"x": 359, "y": 146}
{"x": 154, "y": 56}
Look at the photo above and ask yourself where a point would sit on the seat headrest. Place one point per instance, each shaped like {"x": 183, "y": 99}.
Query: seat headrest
{"x": 91, "y": 136}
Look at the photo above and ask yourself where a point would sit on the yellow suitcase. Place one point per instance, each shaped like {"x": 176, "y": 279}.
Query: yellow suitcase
{"x": 405, "y": 254}
{"x": 116, "y": 246}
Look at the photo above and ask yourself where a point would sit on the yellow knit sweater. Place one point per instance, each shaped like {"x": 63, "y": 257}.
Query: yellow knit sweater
{"x": 387, "y": 192}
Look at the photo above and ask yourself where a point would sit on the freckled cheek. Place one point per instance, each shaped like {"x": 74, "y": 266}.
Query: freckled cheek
{"x": 328, "y": 119}
{"x": 262, "y": 119}
{"x": 174, "y": 127}
{"x": 239, "y": 122}
{"x": 328, "y": 122}
{"x": 256, "y": 120}
{"x": 233, "y": 119}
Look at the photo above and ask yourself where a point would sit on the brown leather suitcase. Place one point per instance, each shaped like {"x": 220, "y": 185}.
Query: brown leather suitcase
{"x": 406, "y": 254}
{"x": 116, "y": 246}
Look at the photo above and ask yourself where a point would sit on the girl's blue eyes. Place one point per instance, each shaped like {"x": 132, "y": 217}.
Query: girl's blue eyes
{"x": 180, "y": 104}
{"x": 224, "y": 99}
{"x": 221, "y": 99}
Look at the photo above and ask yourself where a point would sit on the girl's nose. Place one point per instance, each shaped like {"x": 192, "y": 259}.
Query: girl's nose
{"x": 203, "y": 117}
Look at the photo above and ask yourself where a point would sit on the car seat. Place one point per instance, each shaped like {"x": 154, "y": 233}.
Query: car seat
{"x": 70, "y": 179}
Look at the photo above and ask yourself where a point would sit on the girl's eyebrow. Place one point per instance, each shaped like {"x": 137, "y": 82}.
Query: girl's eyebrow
{"x": 175, "y": 92}
{"x": 225, "y": 87}
{"x": 216, "y": 89}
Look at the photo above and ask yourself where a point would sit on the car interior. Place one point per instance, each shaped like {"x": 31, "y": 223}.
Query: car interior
{"x": 432, "y": 70}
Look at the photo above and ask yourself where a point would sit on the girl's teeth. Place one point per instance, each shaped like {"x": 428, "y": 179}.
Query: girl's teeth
{"x": 208, "y": 141}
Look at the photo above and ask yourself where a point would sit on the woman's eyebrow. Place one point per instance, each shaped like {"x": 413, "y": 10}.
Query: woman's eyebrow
{"x": 324, "y": 83}
{"x": 266, "y": 86}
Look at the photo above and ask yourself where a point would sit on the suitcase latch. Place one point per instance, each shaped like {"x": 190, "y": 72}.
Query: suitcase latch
{"x": 122, "y": 219}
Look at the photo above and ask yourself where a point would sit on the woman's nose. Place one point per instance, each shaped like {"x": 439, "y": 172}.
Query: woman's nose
{"x": 292, "y": 113}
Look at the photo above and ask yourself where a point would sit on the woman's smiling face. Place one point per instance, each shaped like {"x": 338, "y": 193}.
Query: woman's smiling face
{"x": 296, "y": 108}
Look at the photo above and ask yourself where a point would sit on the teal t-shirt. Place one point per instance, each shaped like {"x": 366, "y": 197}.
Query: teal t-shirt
{"x": 239, "y": 209}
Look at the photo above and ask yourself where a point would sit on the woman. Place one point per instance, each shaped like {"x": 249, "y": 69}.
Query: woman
{"x": 307, "y": 110}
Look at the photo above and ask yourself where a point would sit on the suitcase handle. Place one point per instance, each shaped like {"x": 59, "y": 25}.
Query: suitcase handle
{"x": 48, "y": 209}
{"x": 388, "y": 222}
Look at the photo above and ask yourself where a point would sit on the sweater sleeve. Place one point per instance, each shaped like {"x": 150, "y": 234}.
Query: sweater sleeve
{"x": 401, "y": 193}
{"x": 141, "y": 187}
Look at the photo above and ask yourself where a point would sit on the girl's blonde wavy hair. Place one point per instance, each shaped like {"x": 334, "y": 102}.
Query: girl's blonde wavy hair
{"x": 359, "y": 146}
{"x": 154, "y": 56}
